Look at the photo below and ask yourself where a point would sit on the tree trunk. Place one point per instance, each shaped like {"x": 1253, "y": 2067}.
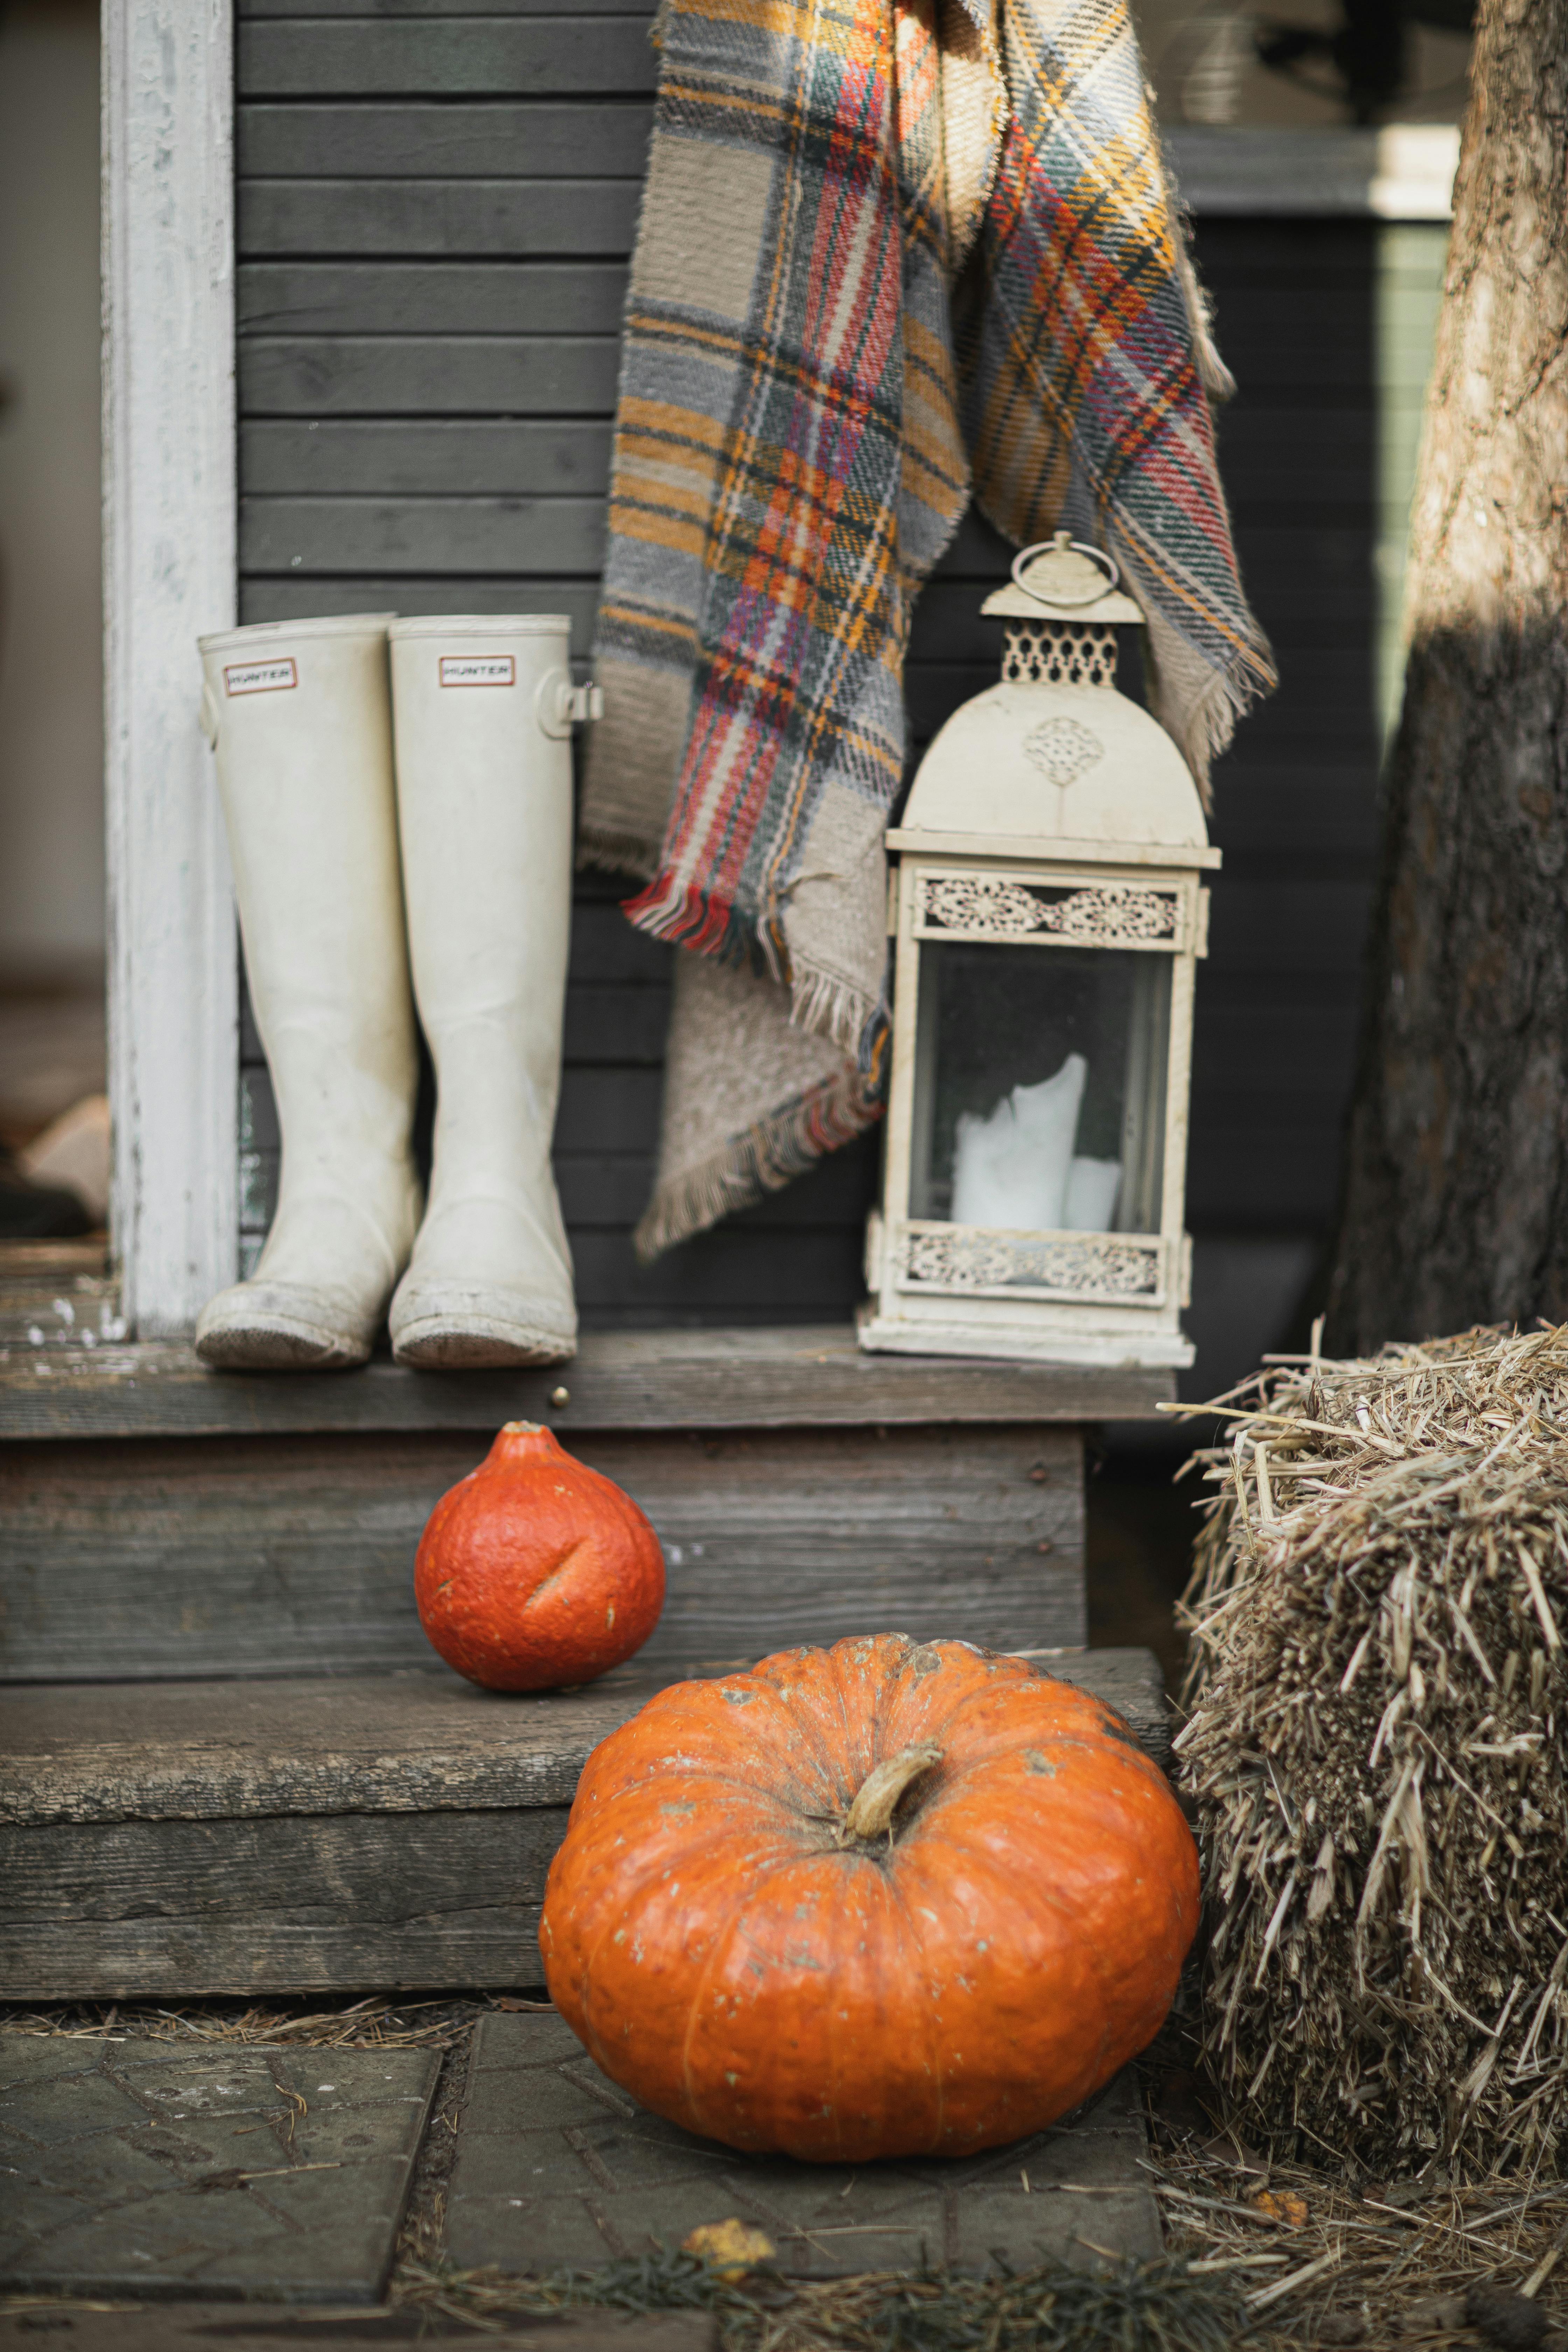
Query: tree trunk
{"x": 1456, "y": 1197}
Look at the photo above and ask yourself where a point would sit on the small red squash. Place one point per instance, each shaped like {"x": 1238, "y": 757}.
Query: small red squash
{"x": 535, "y": 1571}
{"x": 884, "y": 1899}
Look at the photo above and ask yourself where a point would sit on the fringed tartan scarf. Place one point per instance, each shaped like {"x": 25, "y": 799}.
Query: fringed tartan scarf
{"x": 834, "y": 187}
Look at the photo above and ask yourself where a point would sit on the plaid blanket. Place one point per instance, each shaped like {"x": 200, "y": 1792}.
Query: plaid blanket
{"x": 887, "y": 246}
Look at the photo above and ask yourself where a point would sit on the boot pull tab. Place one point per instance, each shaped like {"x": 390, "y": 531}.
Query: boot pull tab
{"x": 559, "y": 706}
{"x": 209, "y": 713}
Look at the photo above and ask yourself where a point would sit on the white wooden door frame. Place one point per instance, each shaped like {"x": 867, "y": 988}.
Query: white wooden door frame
{"x": 169, "y": 544}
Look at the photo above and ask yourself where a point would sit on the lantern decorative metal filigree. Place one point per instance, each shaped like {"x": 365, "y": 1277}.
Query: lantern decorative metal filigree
{"x": 1048, "y": 916}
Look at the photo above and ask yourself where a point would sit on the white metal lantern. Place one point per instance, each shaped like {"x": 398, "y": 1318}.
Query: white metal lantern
{"x": 1048, "y": 917}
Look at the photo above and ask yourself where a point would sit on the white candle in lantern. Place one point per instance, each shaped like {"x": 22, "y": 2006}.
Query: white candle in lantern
{"x": 1090, "y": 1203}
{"x": 1010, "y": 1167}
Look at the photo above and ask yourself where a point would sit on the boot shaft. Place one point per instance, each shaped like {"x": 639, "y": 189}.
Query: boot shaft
{"x": 300, "y": 716}
{"x": 484, "y": 788}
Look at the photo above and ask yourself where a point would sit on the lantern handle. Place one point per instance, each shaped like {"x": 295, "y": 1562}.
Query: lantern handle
{"x": 1062, "y": 544}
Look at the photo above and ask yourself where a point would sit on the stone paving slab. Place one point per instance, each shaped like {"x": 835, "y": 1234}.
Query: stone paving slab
{"x": 555, "y": 2165}
{"x": 221, "y": 2328}
{"x": 264, "y": 2173}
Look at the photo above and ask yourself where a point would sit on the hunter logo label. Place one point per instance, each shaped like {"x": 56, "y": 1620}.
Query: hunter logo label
{"x": 260, "y": 677}
{"x": 477, "y": 670}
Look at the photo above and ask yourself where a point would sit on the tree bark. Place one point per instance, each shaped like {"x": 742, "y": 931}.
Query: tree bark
{"x": 1454, "y": 1208}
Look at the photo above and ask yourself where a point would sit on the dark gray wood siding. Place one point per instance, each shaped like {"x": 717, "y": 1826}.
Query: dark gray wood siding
{"x": 435, "y": 205}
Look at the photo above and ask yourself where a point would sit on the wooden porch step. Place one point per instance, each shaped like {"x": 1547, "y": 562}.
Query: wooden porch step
{"x": 52, "y": 1386}
{"x": 294, "y": 1554}
{"x": 163, "y": 1520}
{"x": 390, "y": 1831}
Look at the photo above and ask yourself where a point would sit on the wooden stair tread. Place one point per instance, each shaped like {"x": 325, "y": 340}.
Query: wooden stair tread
{"x": 198, "y": 1557}
{"x": 162, "y": 1840}
{"x": 779, "y": 1377}
{"x": 398, "y": 1743}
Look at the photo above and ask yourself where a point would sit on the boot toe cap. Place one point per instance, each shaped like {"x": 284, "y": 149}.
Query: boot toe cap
{"x": 278, "y": 1328}
{"x": 453, "y": 1328}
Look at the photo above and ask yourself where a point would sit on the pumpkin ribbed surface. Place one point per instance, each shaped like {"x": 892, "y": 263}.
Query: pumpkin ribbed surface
{"x": 886, "y": 1899}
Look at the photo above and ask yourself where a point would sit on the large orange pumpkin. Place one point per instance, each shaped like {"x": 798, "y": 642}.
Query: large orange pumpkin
{"x": 877, "y": 1900}
{"x": 535, "y": 1571}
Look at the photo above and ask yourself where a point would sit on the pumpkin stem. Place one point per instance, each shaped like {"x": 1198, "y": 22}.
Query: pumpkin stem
{"x": 871, "y": 1813}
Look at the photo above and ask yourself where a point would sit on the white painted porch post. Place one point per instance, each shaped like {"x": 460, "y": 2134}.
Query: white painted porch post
{"x": 169, "y": 572}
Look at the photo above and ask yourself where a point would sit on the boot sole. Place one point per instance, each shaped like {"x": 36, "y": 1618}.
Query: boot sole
{"x": 278, "y": 1347}
{"x": 449, "y": 1343}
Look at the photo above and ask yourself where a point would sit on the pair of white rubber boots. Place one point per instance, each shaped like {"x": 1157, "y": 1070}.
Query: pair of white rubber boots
{"x": 398, "y": 797}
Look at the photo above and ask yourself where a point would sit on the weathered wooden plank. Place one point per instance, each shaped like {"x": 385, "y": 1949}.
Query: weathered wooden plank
{"x": 1331, "y": 252}
{"x": 1311, "y": 451}
{"x": 616, "y": 1026}
{"x": 1291, "y": 1164}
{"x": 507, "y": 218}
{"x": 265, "y": 1843}
{"x": 717, "y": 1277}
{"x": 412, "y": 1743}
{"x": 1296, "y": 814}
{"x": 430, "y": 376}
{"x": 429, "y": 297}
{"x": 370, "y": 457}
{"x": 803, "y": 1377}
{"x": 1290, "y": 927}
{"x": 613, "y": 1188}
{"x": 605, "y": 946}
{"x": 277, "y": 599}
{"x": 559, "y": 139}
{"x": 601, "y": 1108}
{"x": 608, "y": 1110}
{"x": 734, "y": 1272}
{"x": 199, "y": 2326}
{"x": 295, "y": 1904}
{"x": 425, "y": 535}
{"x": 1315, "y": 1047}
{"x": 975, "y": 551}
{"x": 475, "y": 57}
{"x": 1302, "y": 350}
{"x": 44, "y": 1303}
{"x": 293, "y": 1555}
{"x": 603, "y": 1189}
{"x": 1312, "y": 577}
{"x": 58, "y": 1260}
{"x": 1322, "y": 576}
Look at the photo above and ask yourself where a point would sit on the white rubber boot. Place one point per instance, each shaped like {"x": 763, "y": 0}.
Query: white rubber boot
{"x": 482, "y": 710}
{"x": 300, "y": 715}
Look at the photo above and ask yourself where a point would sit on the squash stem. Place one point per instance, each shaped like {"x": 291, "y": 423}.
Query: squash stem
{"x": 871, "y": 1813}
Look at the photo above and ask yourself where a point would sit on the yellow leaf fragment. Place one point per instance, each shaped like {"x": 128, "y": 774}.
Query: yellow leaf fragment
{"x": 729, "y": 2247}
{"x": 1282, "y": 2205}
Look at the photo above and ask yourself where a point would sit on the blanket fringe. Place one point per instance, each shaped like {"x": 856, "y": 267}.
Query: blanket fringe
{"x": 764, "y": 1158}
{"x": 828, "y": 1005}
{"x": 686, "y": 916}
{"x": 1208, "y": 723}
{"x": 822, "y": 1003}
{"x": 607, "y": 851}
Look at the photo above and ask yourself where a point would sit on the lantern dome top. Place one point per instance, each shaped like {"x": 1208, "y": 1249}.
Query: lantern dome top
{"x": 1053, "y": 760}
{"x": 1063, "y": 579}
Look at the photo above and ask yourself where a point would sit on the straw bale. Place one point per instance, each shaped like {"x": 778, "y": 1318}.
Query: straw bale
{"x": 1379, "y": 1711}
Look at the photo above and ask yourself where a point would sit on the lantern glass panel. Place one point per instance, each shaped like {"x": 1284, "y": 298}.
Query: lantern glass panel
{"x": 1040, "y": 1095}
